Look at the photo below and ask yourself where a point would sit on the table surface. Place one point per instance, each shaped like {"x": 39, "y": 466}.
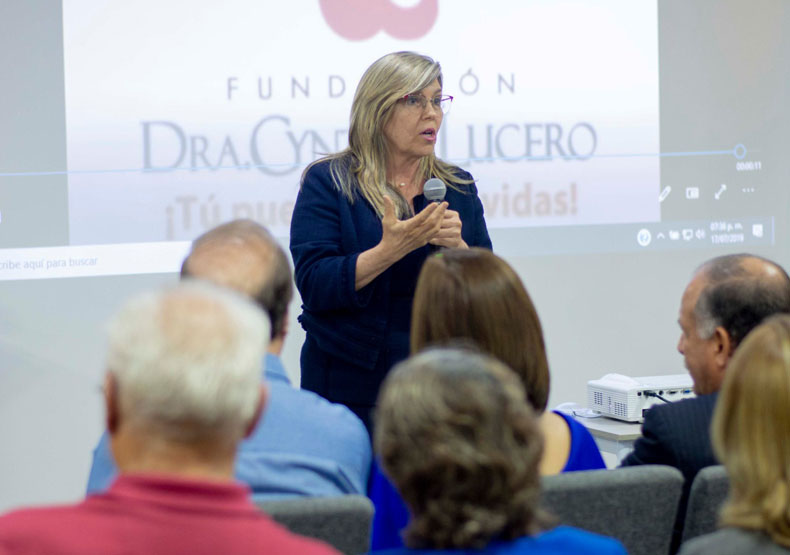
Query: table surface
{"x": 609, "y": 428}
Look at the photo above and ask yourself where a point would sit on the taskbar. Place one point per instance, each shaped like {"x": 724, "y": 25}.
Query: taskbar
{"x": 166, "y": 256}
{"x": 742, "y": 233}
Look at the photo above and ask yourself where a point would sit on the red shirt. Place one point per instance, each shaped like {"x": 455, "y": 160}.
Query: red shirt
{"x": 149, "y": 514}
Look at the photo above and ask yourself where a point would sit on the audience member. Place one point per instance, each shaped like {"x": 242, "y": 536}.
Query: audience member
{"x": 727, "y": 297}
{"x": 456, "y": 435}
{"x": 304, "y": 445}
{"x": 181, "y": 390}
{"x": 751, "y": 436}
{"x": 476, "y": 296}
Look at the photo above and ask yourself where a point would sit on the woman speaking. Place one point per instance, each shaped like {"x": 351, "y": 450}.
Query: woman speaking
{"x": 362, "y": 228}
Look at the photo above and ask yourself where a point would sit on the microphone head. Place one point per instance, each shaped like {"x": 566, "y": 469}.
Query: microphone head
{"x": 434, "y": 189}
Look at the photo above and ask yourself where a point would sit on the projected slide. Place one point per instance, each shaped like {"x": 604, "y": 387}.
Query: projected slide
{"x": 180, "y": 115}
{"x": 171, "y": 117}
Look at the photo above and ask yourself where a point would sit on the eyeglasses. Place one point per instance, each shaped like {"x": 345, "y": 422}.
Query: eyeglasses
{"x": 417, "y": 101}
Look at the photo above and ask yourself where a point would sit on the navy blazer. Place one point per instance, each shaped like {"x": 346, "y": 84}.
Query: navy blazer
{"x": 327, "y": 235}
{"x": 677, "y": 434}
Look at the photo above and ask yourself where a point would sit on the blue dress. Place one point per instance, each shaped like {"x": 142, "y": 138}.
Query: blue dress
{"x": 354, "y": 337}
{"x": 391, "y": 515}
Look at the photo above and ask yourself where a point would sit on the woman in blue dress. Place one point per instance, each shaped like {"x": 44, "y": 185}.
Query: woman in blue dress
{"x": 455, "y": 433}
{"x": 473, "y": 295}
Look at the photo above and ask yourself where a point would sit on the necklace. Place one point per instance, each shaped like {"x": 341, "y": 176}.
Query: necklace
{"x": 401, "y": 185}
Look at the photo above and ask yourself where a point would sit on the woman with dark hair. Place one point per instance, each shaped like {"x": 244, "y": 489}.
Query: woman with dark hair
{"x": 455, "y": 434}
{"x": 362, "y": 228}
{"x": 473, "y": 295}
{"x": 751, "y": 436}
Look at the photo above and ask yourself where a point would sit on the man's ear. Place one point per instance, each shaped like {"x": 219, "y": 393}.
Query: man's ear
{"x": 724, "y": 348}
{"x": 112, "y": 412}
{"x": 263, "y": 398}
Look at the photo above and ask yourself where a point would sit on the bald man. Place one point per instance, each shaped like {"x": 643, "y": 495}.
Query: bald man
{"x": 726, "y": 298}
{"x": 304, "y": 445}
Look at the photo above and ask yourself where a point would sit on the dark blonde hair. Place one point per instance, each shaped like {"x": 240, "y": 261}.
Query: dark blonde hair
{"x": 475, "y": 295}
{"x": 455, "y": 434}
{"x": 361, "y": 169}
{"x": 751, "y": 431}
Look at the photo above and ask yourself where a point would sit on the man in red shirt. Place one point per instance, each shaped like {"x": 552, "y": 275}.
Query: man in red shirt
{"x": 182, "y": 389}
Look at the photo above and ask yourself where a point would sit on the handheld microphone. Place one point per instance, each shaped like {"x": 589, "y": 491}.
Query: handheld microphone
{"x": 434, "y": 190}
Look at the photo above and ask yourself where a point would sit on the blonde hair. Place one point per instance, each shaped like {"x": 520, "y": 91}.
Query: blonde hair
{"x": 751, "y": 431}
{"x": 361, "y": 169}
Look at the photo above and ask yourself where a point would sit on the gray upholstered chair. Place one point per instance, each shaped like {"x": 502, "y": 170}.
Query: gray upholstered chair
{"x": 343, "y": 522}
{"x": 637, "y": 505}
{"x": 708, "y": 492}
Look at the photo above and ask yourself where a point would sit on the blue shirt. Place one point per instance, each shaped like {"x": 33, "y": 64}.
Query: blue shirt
{"x": 562, "y": 540}
{"x": 303, "y": 446}
{"x": 391, "y": 514}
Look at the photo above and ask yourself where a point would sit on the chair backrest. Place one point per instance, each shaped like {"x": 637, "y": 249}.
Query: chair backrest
{"x": 636, "y": 505}
{"x": 708, "y": 492}
{"x": 343, "y": 522}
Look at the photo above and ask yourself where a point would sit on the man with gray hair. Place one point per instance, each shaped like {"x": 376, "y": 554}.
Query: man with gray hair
{"x": 727, "y": 297}
{"x": 304, "y": 445}
{"x": 182, "y": 389}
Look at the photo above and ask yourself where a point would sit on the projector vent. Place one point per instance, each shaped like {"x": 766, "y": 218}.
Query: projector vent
{"x": 621, "y": 409}
{"x": 598, "y": 398}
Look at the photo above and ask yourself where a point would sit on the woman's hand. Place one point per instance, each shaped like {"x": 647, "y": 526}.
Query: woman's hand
{"x": 399, "y": 238}
{"x": 450, "y": 232}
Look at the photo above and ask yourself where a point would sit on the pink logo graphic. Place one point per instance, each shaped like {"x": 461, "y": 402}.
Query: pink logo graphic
{"x": 361, "y": 19}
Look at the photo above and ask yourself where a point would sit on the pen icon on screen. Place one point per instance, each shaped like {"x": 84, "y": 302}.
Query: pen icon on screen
{"x": 664, "y": 193}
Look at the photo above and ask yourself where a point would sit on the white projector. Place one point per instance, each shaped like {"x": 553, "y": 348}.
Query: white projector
{"x": 626, "y": 398}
